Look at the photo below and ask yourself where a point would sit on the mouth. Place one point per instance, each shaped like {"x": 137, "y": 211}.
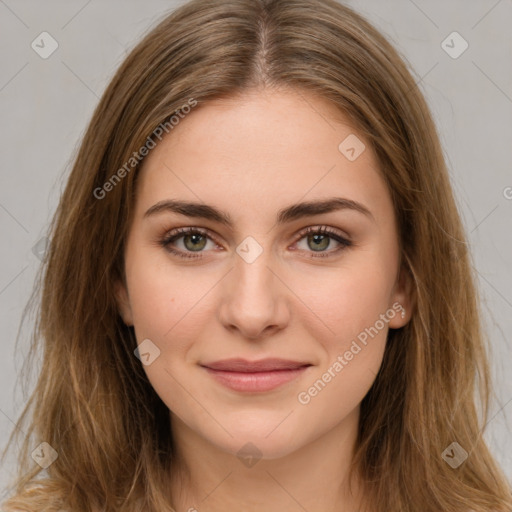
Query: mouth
{"x": 255, "y": 376}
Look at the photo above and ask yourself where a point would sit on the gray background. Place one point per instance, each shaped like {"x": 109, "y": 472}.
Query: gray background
{"x": 45, "y": 105}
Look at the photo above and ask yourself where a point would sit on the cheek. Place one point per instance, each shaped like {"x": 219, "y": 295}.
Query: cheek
{"x": 162, "y": 297}
{"x": 166, "y": 306}
{"x": 172, "y": 307}
{"x": 348, "y": 299}
{"x": 357, "y": 313}
{"x": 353, "y": 306}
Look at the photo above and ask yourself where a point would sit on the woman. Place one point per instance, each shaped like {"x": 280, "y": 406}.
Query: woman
{"x": 258, "y": 294}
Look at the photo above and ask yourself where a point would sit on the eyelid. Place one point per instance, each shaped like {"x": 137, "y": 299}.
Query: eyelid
{"x": 323, "y": 230}
{"x": 318, "y": 228}
{"x": 178, "y": 232}
{"x": 333, "y": 233}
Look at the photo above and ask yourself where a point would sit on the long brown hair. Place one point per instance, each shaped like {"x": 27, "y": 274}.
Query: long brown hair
{"x": 93, "y": 403}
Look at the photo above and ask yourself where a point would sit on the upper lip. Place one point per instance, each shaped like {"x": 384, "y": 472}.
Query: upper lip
{"x": 263, "y": 365}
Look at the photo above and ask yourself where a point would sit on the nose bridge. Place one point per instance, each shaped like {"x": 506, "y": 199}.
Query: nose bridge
{"x": 253, "y": 300}
{"x": 254, "y": 281}
{"x": 251, "y": 273}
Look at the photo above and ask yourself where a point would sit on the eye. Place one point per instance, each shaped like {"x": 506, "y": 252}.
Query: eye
{"x": 195, "y": 240}
{"x": 318, "y": 239}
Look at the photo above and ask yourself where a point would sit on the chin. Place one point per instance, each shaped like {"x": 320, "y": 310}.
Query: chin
{"x": 258, "y": 449}
{"x": 261, "y": 443}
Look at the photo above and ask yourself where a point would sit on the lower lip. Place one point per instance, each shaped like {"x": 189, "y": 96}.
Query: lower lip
{"x": 256, "y": 381}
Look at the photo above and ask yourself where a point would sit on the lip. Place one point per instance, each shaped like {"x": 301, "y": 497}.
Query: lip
{"x": 263, "y": 365}
{"x": 255, "y": 376}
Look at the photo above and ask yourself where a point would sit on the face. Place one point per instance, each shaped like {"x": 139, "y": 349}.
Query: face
{"x": 272, "y": 240}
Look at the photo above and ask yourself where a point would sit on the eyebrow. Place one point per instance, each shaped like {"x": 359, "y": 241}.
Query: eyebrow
{"x": 288, "y": 214}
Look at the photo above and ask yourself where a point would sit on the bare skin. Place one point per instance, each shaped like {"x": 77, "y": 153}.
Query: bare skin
{"x": 303, "y": 298}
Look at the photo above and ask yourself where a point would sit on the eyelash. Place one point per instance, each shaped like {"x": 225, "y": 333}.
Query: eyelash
{"x": 180, "y": 232}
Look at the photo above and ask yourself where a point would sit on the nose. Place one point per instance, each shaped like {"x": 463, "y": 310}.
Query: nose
{"x": 254, "y": 299}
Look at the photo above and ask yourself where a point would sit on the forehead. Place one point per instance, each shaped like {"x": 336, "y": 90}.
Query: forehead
{"x": 262, "y": 149}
